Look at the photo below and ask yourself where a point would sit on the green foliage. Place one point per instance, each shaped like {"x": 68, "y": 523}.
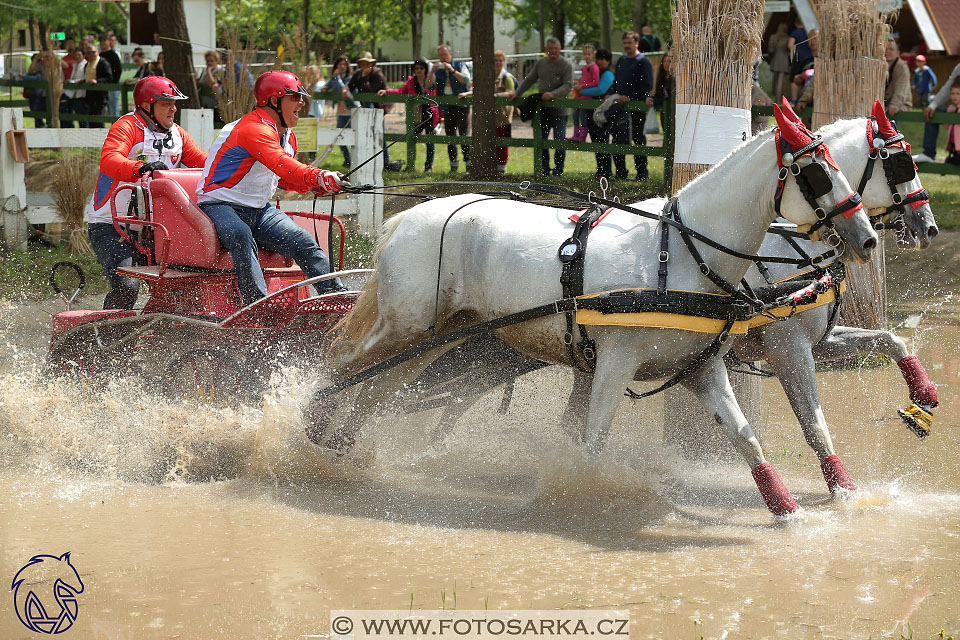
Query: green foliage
{"x": 583, "y": 18}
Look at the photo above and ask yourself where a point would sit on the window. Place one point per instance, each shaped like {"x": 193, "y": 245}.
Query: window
{"x": 21, "y": 37}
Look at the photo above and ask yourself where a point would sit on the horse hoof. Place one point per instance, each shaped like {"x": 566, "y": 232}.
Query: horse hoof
{"x": 341, "y": 443}
{"x": 774, "y": 492}
{"x": 837, "y": 478}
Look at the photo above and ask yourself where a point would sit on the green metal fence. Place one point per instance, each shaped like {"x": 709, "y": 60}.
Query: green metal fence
{"x": 537, "y": 143}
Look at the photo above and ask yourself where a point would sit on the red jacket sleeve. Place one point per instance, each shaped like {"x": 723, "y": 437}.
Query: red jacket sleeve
{"x": 113, "y": 158}
{"x": 263, "y": 143}
{"x": 193, "y": 155}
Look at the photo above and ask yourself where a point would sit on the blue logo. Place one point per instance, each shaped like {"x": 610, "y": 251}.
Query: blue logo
{"x": 45, "y": 594}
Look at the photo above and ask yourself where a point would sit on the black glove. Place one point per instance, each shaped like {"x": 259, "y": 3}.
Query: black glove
{"x": 152, "y": 166}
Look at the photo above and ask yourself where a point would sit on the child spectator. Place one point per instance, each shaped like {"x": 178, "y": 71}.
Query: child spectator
{"x": 924, "y": 80}
{"x": 953, "y": 130}
{"x": 589, "y": 77}
{"x": 601, "y": 132}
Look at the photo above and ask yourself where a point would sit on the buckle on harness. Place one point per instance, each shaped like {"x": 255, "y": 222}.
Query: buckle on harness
{"x": 664, "y": 256}
{"x": 897, "y": 198}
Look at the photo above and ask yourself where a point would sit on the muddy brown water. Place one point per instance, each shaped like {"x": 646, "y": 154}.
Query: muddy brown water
{"x": 197, "y": 522}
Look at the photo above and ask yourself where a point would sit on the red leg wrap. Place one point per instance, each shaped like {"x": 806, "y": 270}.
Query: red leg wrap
{"x": 774, "y": 492}
{"x": 835, "y": 475}
{"x": 922, "y": 391}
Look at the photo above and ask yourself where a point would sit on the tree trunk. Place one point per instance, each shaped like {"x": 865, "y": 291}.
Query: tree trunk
{"x": 306, "y": 30}
{"x": 639, "y": 14}
{"x": 605, "y": 25}
{"x": 414, "y": 9}
{"x": 440, "y": 39}
{"x": 484, "y": 151}
{"x": 540, "y": 27}
{"x": 177, "y": 52}
{"x": 559, "y": 30}
{"x": 51, "y": 64}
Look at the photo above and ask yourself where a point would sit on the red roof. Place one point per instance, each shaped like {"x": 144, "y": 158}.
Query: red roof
{"x": 946, "y": 17}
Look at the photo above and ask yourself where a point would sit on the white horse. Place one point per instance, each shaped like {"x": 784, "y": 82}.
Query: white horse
{"x": 791, "y": 347}
{"x": 498, "y": 257}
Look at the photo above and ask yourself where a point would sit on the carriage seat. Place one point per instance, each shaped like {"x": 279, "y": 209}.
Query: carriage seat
{"x": 193, "y": 238}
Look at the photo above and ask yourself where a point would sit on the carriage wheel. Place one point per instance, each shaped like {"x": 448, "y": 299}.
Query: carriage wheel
{"x": 80, "y": 364}
{"x": 207, "y": 377}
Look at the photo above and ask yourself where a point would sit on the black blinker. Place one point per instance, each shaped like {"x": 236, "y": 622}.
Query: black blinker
{"x": 903, "y": 169}
{"x": 816, "y": 176}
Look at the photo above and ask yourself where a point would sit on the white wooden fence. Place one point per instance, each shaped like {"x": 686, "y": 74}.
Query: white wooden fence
{"x": 19, "y": 208}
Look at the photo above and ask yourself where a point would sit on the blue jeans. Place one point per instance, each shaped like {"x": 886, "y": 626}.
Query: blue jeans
{"x": 242, "y": 230}
{"x": 630, "y": 123}
{"x": 931, "y": 131}
{"x": 112, "y": 253}
{"x": 113, "y": 99}
{"x": 559, "y": 126}
{"x": 342, "y": 121}
{"x": 580, "y": 117}
{"x": 38, "y": 103}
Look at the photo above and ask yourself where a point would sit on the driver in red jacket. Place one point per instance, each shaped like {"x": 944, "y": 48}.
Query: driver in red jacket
{"x": 145, "y": 140}
{"x": 250, "y": 158}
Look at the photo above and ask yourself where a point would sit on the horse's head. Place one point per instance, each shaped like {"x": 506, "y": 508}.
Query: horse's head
{"x": 49, "y": 569}
{"x": 894, "y": 197}
{"x": 814, "y": 194}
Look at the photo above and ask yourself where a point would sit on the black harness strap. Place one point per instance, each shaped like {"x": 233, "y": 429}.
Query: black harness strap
{"x": 712, "y": 349}
{"x": 572, "y": 253}
{"x": 664, "y": 255}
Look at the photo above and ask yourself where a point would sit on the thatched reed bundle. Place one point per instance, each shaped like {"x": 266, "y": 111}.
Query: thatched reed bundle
{"x": 850, "y": 73}
{"x": 237, "y": 97}
{"x": 715, "y": 43}
{"x": 72, "y": 188}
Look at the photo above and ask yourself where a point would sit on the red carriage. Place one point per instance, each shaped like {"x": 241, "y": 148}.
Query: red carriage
{"x": 194, "y": 336}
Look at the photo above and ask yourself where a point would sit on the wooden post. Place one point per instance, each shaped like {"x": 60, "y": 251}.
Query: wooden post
{"x": 368, "y": 124}
{"x": 13, "y": 193}
{"x": 850, "y": 74}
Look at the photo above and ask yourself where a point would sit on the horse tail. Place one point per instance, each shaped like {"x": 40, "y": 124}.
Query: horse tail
{"x": 358, "y": 322}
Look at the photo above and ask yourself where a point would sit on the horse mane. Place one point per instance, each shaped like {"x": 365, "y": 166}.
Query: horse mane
{"x": 359, "y": 320}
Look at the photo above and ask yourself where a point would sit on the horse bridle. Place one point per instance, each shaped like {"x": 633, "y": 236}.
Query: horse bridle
{"x": 813, "y": 182}
{"x": 898, "y": 169}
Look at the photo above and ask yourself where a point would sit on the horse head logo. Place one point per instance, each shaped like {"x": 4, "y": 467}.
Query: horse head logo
{"x": 58, "y": 582}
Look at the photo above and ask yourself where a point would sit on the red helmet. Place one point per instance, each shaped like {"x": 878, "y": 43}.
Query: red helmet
{"x": 276, "y": 84}
{"x": 153, "y": 88}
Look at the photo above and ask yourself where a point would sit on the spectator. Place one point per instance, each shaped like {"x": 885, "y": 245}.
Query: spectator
{"x": 116, "y": 70}
{"x": 370, "y": 79}
{"x": 156, "y": 39}
{"x": 36, "y": 97}
{"x": 930, "y": 129}
{"x": 648, "y": 41}
{"x": 924, "y": 80}
{"x": 779, "y": 52}
{"x": 339, "y": 77}
{"x": 589, "y": 77}
{"x": 897, "y": 97}
{"x": 505, "y": 83}
{"x": 143, "y": 68}
{"x": 312, "y": 81}
{"x": 238, "y": 69}
{"x": 601, "y": 132}
{"x": 554, "y": 77}
{"x": 451, "y": 78}
{"x": 800, "y": 54}
{"x": 209, "y": 81}
{"x": 156, "y": 67}
{"x": 66, "y": 62}
{"x": 953, "y": 130}
{"x": 663, "y": 92}
{"x": 74, "y": 100}
{"x": 416, "y": 85}
{"x": 97, "y": 71}
{"x": 633, "y": 82}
